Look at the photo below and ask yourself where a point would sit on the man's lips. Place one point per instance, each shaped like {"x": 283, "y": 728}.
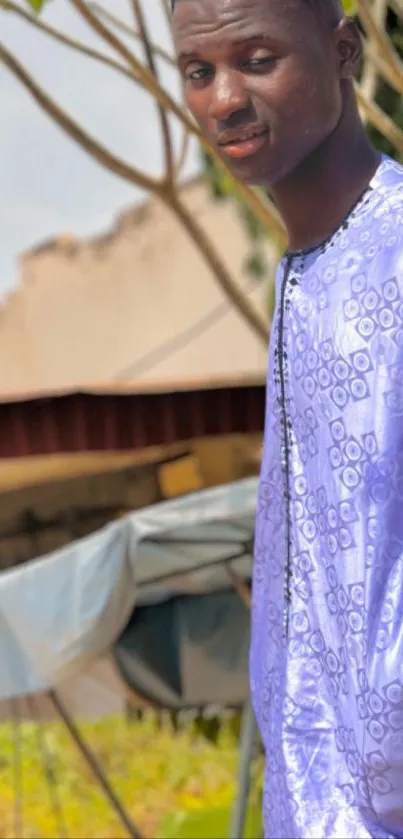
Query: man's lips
{"x": 244, "y": 144}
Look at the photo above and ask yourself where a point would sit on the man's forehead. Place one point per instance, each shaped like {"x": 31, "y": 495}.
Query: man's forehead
{"x": 200, "y": 24}
{"x": 190, "y": 14}
{"x": 332, "y": 9}
{"x": 227, "y": 5}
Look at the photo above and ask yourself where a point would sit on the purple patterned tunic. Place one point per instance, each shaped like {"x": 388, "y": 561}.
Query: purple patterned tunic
{"x": 327, "y": 627}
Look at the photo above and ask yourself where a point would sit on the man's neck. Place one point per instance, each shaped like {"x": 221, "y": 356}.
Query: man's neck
{"x": 314, "y": 200}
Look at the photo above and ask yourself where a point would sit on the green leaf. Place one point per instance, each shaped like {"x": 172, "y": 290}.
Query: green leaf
{"x": 350, "y": 7}
{"x": 36, "y": 5}
{"x": 255, "y": 265}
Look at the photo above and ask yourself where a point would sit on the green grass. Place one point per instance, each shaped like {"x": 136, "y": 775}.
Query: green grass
{"x": 156, "y": 773}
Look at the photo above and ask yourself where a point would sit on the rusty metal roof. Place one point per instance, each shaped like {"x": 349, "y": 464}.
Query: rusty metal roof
{"x": 75, "y": 422}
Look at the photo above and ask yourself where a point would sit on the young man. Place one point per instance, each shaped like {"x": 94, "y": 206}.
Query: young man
{"x": 270, "y": 82}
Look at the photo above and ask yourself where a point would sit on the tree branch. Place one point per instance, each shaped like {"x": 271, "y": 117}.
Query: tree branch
{"x": 182, "y": 154}
{"x": 381, "y": 66}
{"x": 265, "y": 211}
{"x": 165, "y": 128}
{"x": 166, "y": 8}
{"x": 101, "y": 154}
{"x": 376, "y": 32}
{"x": 252, "y": 316}
{"x": 230, "y": 288}
{"x": 128, "y": 30}
{"x": 147, "y": 78}
{"x": 397, "y": 6}
{"x": 380, "y": 120}
{"x": 369, "y": 80}
{"x": 157, "y": 51}
{"x": 66, "y": 40}
{"x": 83, "y": 49}
{"x": 240, "y": 586}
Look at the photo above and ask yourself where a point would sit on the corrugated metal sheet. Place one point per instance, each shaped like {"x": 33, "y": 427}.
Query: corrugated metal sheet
{"x": 89, "y": 422}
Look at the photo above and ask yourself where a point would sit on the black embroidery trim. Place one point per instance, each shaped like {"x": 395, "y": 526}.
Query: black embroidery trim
{"x": 327, "y": 243}
{"x": 281, "y": 379}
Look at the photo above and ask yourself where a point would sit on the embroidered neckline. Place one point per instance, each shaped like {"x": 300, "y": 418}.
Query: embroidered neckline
{"x": 330, "y": 240}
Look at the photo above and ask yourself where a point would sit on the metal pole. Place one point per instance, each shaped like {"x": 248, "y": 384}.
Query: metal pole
{"x": 247, "y": 743}
{"x": 18, "y": 770}
{"x": 92, "y": 762}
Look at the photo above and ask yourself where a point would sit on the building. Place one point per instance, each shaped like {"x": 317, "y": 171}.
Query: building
{"x": 125, "y": 376}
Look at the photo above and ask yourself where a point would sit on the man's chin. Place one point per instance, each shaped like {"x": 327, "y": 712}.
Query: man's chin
{"x": 258, "y": 169}
{"x": 251, "y": 172}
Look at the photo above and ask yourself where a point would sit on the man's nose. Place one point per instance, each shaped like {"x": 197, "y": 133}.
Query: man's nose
{"x": 228, "y": 95}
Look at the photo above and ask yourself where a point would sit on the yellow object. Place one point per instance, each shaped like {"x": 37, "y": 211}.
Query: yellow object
{"x": 177, "y": 477}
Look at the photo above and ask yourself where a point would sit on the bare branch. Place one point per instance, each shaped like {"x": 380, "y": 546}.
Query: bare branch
{"x": 147, "y": 78}
{"x": 83, "y": 49}
{"x": 166, "y": 8}
{"x": 66, "y": 40}
{"x": 369, "y": 80}
{"x": 381, "y": 41}
{"x": 73, "y": 129}
{"x": 397, "y": 6}
{"x": 240, "y": 586}
{"x": 130, "y": 174}
{"x": 182, "y": 154}
{"x": 265, "y": 211}
{"x": 232, "y": 291}
{"x": 380, "y": 120}
{"x": 164, "y": 122}
{"x": 382, "y": 67}
{"x": 157, "y": 51}
{"x": 128, "y": 30}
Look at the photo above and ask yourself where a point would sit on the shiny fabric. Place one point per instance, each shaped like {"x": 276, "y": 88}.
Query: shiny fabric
{"x": 327, "y": 645}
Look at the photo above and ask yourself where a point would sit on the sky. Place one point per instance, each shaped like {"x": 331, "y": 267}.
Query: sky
{"x": 48, "y": 185}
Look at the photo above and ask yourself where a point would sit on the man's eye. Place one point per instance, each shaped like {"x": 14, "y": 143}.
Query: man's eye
{"x": 198, "y": 74}
{"x": 259, "y": 63}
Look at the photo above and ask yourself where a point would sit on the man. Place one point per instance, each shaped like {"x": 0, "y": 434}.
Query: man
{"x": 270, "y": 82}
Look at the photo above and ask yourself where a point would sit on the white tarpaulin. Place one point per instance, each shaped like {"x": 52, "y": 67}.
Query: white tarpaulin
{"x": 60, "y": 612}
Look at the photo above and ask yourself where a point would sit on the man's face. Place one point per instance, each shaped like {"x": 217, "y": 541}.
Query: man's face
{"x": 261, "y": 78}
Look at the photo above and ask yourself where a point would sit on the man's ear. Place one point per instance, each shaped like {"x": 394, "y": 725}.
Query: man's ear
{"x": 348, "y": 47}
